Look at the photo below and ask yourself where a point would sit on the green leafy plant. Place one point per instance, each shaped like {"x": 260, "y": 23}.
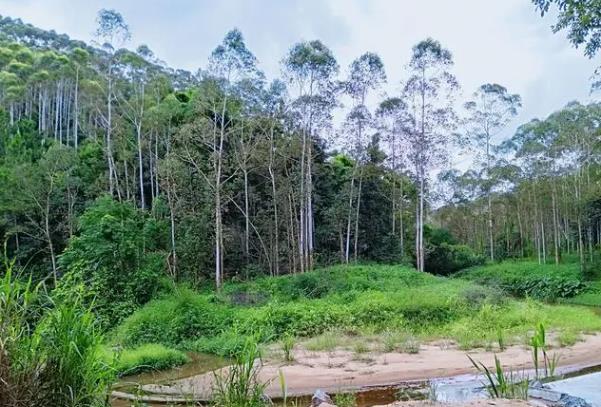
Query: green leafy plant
{"x": 502, "y": 384}
{"x": 288, "y": 343}
{"x": 239, "y": 385}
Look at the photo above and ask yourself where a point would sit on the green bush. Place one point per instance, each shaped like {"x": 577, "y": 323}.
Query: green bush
{"x": 530, "y": 279}
{"x": 174, "y": 319}
{"x": 148, "y": 357}
{"x": 115, "y": 262}
{"x": 445, "y": 259}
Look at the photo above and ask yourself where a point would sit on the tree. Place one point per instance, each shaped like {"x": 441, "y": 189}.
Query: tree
{"x": 489, "y": 111}
{"x": 581, "y": 18}
{"x": 113, "y": 31}
{"x": 429, "y": 92}
{"x": 311, "y": 67}
{"x": 365, "y": 73}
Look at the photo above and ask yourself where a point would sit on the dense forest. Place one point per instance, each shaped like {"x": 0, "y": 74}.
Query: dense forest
{"x": 121, "y": 176}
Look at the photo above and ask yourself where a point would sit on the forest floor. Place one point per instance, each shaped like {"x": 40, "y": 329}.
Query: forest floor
{"x": 343, "y": 370}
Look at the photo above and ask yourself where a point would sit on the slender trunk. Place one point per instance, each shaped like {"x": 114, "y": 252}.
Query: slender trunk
{"x": 140, "y": 164}
{"x": 276, "y": 249}
{"x": 355, "y": 254}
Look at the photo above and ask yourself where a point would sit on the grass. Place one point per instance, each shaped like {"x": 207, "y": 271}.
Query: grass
{"x": 324, "y": 309}
{"x": 590, "y": 297}
{"x": 529, "y": 279}
{"x": 50, "y": 353}
{"x": 148, "y": 357}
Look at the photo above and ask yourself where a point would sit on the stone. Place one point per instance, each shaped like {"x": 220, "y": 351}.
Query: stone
{"x": 321, "y": 398}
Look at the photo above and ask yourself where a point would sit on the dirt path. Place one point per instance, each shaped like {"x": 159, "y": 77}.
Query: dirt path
{"x": 345, "y": 370}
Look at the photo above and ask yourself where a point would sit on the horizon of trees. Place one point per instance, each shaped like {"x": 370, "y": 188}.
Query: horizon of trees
{"x": 242, "y": 176}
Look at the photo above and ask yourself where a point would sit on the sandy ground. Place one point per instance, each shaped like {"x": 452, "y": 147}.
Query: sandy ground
{"x": 344, "y": 370}
{"x": 477, "y": 403}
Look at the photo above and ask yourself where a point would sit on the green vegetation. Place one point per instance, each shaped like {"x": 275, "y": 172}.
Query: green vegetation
{"x": 239, "y": 385}
{"x": 529, "y": 279}
{"x": 154, "y": 211}
{"x": 50, "y": 354}
{"x": 398, "y": 303}
{"x": 147, "y": 357}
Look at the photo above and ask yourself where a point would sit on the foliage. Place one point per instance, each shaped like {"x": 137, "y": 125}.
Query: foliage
{"x": 116, "y": 258}
{"x": 147, "y": 357}
{"x": 378, "y": 298}
{"x": 545, "y": 282}
{"x": 49, "y": 353}
{"x": 239, "y": 385}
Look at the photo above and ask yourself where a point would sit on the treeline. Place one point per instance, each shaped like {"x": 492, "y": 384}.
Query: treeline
{"x": 545, "y": 187}
{"x": 243, "y": 176}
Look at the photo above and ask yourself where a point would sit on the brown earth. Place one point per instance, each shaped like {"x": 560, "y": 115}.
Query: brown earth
{"x": 343, "y": 370}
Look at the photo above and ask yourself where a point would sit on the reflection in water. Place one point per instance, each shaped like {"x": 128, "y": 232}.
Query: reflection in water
{"x": 199, "y": 364}
{"x": 584, "y": 382}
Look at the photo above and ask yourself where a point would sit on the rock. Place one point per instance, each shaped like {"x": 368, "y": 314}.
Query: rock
{"x": 572, "y": 401}
{"x": 553, "y": 398}
{"x": 321, "y": 398}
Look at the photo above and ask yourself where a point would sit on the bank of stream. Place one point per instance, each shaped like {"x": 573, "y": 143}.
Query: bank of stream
{"x": 577, "y": 380}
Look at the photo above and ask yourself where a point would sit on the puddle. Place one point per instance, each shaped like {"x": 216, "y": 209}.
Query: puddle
{"x": 581, "y": 381}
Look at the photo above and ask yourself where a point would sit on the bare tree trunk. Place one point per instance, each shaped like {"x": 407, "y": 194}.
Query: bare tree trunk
{"x": 356, "y": 242}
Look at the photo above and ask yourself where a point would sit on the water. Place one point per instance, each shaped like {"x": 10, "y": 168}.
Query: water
{"x": 588, "y": 387}
{"x": 199, "y": 364}
{"x": 582, "y": 382}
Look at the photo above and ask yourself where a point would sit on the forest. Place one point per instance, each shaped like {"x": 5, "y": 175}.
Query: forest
{"x": 149, "y": 213}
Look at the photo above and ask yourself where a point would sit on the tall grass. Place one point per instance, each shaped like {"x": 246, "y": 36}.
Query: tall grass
{"x": 50, "y": 354}
{"x": 502, "y": 384}
{"x": 239, "y": 384}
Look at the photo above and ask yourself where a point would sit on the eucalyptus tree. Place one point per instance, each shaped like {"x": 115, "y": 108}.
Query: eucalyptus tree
{"x": 80, "y": 59}
{"x": 134, "y": 101}
{"x": 311, "y": 67}
{"x": 429, "y": 94}
{"x": 112, "y": 31}
{"x": 393, "y": 121}
{"x": 366, "y": 73}
{"x": 218, "y": 109}
{"x": 488, "y": 112}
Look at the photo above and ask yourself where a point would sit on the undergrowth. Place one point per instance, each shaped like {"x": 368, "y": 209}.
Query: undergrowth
{"x": 360, "y": 298}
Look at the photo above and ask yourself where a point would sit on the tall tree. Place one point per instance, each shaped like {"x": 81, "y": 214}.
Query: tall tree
{"x": 488, "y": 112}
{"x": 429, "y": 93}
{"x": 310, "y": 66}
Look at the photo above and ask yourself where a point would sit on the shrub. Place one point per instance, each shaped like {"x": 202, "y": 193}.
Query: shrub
{"x": 445, "y": 259}
{"x": 116, "y": 257}
{"x": 173, "y": 320}
{"x": 522, "y": 279}
{"x": 148, "y": 357}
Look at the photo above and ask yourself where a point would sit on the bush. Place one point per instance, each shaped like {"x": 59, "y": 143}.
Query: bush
{"x": 173, "y": 320}
{"x": 116, "y": 258}
{"x": 445, "y": 259}
{"x": 529, "y": 279}
{"x": 148, "y": 357}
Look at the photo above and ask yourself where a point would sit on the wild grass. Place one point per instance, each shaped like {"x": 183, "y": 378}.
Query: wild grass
{"x": 345, "y": 400}
{"x": 239, "y": 384}
{"x": 50, "y": 354}
{"x": 325, "y": 308}
{"x": 288, "y": 343}
{"x": 501, "y": 383}
{"x": 148, "y": 357}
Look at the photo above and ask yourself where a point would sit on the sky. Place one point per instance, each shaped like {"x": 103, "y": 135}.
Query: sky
{"x": 492, "y": 41}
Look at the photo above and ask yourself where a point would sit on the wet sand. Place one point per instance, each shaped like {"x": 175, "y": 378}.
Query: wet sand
{"x": 342, "y": 370}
